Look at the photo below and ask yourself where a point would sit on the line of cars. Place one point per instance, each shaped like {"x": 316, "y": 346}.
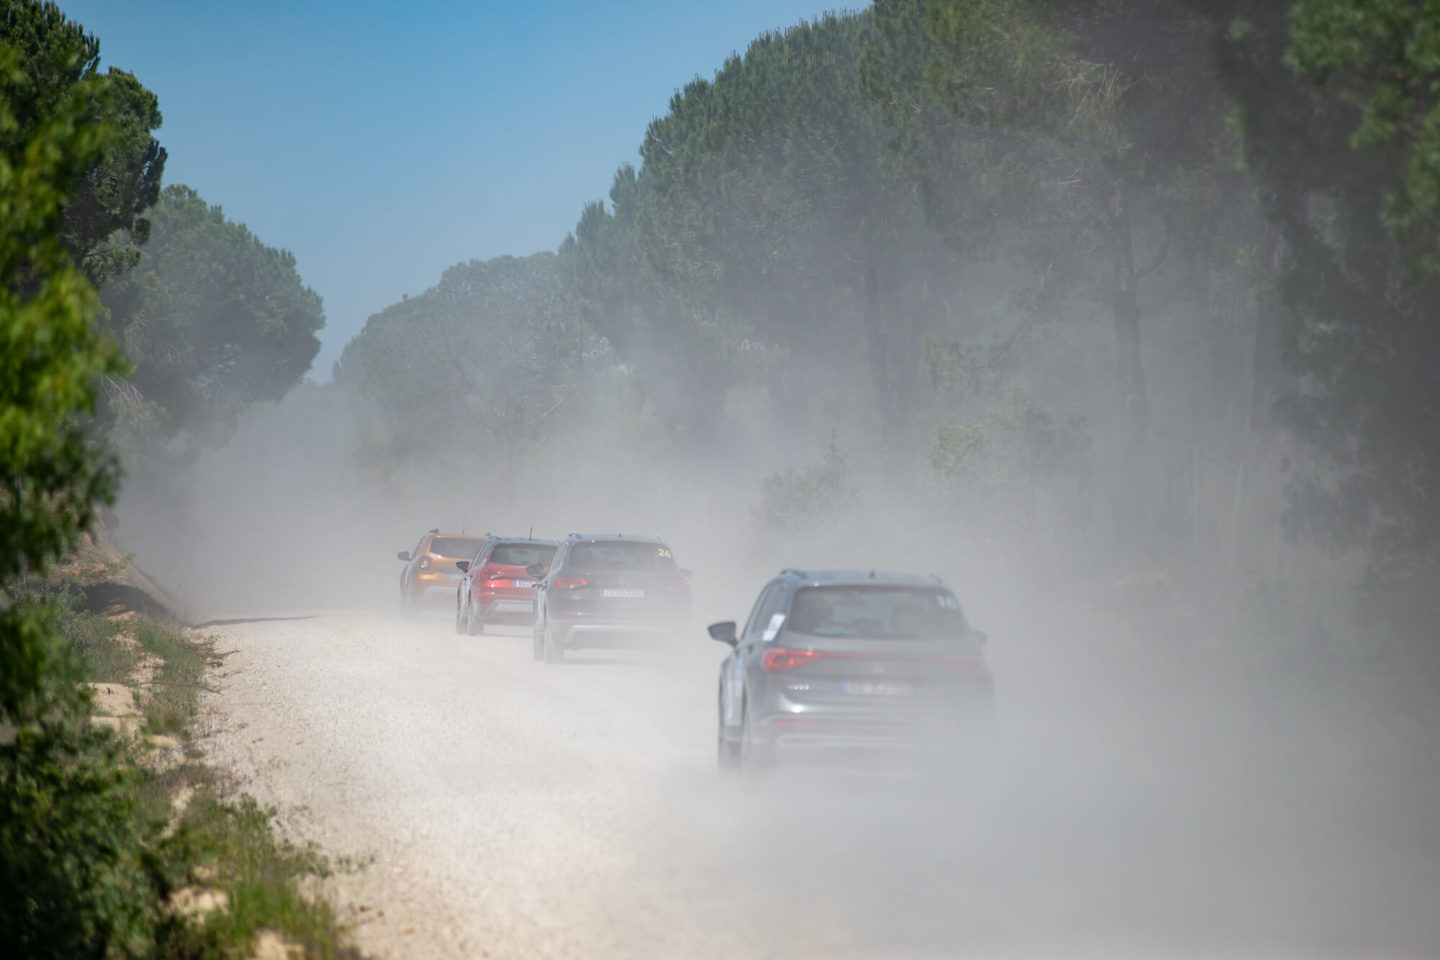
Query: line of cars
{"x": 828, "y": 662}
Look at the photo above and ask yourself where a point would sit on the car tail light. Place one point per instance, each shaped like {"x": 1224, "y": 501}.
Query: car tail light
{"x": 425, "y": 564}
{"x": 778, "y": 661}
{"x": 678, "y": 585}
{"x": 570, "y": 583}
{"x": 971, "y": 666}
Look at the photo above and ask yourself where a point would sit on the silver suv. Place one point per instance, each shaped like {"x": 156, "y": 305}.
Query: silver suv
{"x": 835, "y": 663}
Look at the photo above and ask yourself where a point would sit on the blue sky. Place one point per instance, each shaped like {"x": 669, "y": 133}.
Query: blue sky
{"x": 385, "y": 141}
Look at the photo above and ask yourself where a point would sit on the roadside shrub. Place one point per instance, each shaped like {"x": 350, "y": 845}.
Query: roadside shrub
{"x": 76, "y": 878}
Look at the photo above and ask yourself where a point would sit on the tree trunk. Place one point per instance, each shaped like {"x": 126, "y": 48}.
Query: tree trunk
{"x": 1267, "y": 369}
{"x": 1131, "y": 508}
{"x": 891, "y": 429}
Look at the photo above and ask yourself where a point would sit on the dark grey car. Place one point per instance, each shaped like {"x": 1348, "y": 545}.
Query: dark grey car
{"x": 839, "y": 663}
{"x": 609, "y": 590}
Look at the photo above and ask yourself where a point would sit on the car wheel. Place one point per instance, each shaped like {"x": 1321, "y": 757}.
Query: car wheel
{"x": 407, "y": 603}
{"x": 538, "y": 649}
{"x": 474, "y": 624}
{"x": 727, "y": 752}
{"x": 553, "y": 652}
{"x": 459, "y": 620}
{"x": 753, "y": 757}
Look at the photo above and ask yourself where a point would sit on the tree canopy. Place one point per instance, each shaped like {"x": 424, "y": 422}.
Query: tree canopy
{"x": 212, "y": 318}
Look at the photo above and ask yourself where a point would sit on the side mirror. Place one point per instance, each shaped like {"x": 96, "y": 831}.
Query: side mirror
{"x": 724, "y": 631}
{"x": 464, "y": 565}
{"x": 979, "y": 636}
{"x": 536, "y": 570}
{"x": 403, "y": 555}
{"x": 686, "y": 573}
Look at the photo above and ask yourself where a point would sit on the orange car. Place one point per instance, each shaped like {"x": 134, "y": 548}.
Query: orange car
{"x": 432, "y": 565}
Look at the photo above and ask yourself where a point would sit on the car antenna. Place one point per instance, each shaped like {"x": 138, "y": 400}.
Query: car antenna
{"x": 531, "y": 534}
{"x": 872, "y": 574}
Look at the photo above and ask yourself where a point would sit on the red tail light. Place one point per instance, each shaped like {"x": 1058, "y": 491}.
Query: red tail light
{"x": 570, "y": 583}
{"x": 678, "y": 585}
{"x": 778, "y": 661}
{"x": 972, "y": 666}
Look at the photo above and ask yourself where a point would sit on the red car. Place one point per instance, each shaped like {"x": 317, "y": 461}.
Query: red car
{"x": 495, "y": 587}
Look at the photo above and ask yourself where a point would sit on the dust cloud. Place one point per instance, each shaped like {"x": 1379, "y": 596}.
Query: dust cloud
{"x": 1156, "y": 785}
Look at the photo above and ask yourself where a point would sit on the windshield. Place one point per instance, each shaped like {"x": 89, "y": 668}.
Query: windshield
{"x": 877, "y": 613}
{"x": 522, "y": 554}
{"x": 621, "y": 555}
{"x": 462, "y": 548}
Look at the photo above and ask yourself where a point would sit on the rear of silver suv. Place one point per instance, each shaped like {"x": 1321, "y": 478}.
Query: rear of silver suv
{"x": 834, "y": 663}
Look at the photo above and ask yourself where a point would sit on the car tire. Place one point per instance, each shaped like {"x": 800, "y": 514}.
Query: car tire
{"x": 537, "y": 649}
{"x": 407, "y": 604}
{"x": 553, "y": 652}
{"x": 753, "y": 759}
{"x": 459, "y": 621}
{"x": 727, "y": 752}
{"x": 474, "y": 626}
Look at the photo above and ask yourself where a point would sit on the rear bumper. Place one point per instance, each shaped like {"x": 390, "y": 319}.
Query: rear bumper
{"x": 425, "y": 582}
{"x": 508, "y": 611}
{"x": 616, "y": 634}
{"x": 835, "y": 735}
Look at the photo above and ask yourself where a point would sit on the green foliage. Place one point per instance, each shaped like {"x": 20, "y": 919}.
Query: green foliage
{"x": 1011, "y": 67}
{"x": 175, "y": 697}
{"x": 50, "y": 357}
{"x": 483, "y": 363}
{"x": 232, "y": 846}
{"x": 766, "y": 217}
{"x": 110, "y": 184}
{"x": 212, "y": 319}
{"x": 1383, "y": 56}
{"x": 810, "y": 509}
{"x": 73, "y": 874}
{"x": 76, "y": 877}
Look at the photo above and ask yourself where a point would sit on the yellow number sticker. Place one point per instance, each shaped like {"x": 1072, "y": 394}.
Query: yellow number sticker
{"x": 663, "y": 551}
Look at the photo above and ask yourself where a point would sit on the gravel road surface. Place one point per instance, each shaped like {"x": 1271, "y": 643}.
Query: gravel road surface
{"x": 503, "y": 808}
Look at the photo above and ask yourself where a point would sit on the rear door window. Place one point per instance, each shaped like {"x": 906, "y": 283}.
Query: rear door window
{"x": 460, "y": 548}
{"x": 522, "y": 554}
{"x": 879, "y": 612}
{"x": 765, "y": 610}
{"x": 620, "y": 555}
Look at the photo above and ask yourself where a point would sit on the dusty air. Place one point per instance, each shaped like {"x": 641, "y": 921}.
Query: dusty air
{"x": 944, "y": 478}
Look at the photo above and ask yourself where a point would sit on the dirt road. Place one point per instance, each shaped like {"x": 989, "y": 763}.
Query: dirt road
{"x": 509, "y": 809}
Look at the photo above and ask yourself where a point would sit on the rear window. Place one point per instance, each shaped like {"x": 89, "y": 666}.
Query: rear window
{"x": 461, "y": 547}
{"x": 522, "y": 554}
{"x": 878, "y": 612}
{"x": 621, "y": 555}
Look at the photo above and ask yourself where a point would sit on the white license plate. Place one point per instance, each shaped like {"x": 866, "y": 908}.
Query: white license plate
{"x": 877, "y": 688}
{"x": 624, "y": 594}
{"x": 523, "y": 583}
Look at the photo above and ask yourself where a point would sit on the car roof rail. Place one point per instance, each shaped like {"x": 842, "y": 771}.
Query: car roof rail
{"x": 796, "y": 571}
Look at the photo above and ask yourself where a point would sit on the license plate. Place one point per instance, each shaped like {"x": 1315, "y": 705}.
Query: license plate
{"x": 624, "y": 594}
{"x": 523, "y": 583}
{"x": 877, "y": 688}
